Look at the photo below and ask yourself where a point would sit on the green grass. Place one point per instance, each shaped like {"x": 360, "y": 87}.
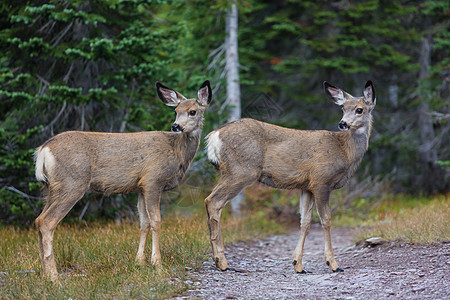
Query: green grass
{"x": 410, "y": 219}
{"x": 97, "y": 261}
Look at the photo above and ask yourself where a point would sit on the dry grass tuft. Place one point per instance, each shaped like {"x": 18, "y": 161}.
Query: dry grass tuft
{"x": 97, "y": 261}
{"x": 427, "y": 222}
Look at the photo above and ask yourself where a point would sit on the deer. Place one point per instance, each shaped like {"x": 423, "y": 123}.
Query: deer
{"x": 147, "y": 163}
{"x": 316, "y": 162}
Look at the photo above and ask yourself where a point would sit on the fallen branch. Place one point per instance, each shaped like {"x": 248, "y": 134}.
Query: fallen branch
{"x": 13, "y": 189}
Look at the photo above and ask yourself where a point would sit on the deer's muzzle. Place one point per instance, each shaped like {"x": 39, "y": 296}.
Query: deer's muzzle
{"x": 343, "y": 125}
{"x": 176, "y": 128}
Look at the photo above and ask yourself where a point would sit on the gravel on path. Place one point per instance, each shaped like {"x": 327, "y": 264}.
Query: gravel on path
{"x": 263, "y": 269}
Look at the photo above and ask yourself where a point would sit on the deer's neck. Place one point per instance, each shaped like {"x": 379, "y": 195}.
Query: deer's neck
{"x": 187, "y": 147}
{"x": 356, "y": 142}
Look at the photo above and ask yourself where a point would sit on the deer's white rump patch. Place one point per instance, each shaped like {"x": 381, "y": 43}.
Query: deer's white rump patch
{"x": 44, "y": 159}
{"x": 214, "y": 144}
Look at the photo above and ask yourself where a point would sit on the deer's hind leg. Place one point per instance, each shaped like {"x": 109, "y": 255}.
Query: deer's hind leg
{"x": 60, "y": 200}
{"x": 306, "y": 207}
{"x": 227, "y": 188}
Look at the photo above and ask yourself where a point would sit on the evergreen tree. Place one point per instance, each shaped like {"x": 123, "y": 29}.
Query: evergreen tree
{"x": 83, "y": 65}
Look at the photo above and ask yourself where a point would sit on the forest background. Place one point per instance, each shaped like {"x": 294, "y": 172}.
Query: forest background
{"x": 92, "y": 65}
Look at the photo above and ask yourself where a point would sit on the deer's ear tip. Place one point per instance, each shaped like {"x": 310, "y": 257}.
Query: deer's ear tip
{"x": 369, "y": 83}
{"x": 206, "y": 83}
{"x": 327, "y": 85}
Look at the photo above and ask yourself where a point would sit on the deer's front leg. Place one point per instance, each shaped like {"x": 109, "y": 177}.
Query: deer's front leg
{"x": 144, "y": 220}
{"x": 322, "y": 199}
{"x": 150, "y": 217}
{"x": 306, "y": 206}
{"x": 155, "y": 224}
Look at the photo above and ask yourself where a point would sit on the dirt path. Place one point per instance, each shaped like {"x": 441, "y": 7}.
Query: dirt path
{"x": 263, "y": 270}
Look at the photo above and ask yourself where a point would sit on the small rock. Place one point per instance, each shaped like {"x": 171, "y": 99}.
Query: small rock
{"x": 373, "y": 241}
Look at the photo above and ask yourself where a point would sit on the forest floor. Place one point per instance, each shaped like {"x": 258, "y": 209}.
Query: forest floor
{"x": 262, "y": 269}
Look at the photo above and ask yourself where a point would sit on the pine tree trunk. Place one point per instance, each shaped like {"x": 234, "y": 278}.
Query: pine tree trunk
{"x": 233, "y": 87}
{"x": 232, "y": 64}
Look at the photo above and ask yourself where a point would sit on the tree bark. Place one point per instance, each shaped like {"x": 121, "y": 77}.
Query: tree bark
{"x": 232, "y": 64}
{"x": 233, "y": 87}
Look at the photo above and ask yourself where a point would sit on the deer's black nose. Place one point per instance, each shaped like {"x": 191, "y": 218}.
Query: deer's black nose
{"x": 342, "y": 125}
{"x": 176, "y": 128}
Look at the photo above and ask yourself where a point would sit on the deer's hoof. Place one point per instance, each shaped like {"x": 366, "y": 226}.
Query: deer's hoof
{"x": 221, "y": 264}
{"x": 156, "y": 262}
{"x": 303, "y": 272}
{"x": 224, "y": 270}
{"x": 54, "y": 277}
{"x": 339, "y": 269}
{"x": 140, "y": 262}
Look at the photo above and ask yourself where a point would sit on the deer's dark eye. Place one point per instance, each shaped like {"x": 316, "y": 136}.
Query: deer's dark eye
{"x": 359, "y": 111}
{"x": 192, "y": 113}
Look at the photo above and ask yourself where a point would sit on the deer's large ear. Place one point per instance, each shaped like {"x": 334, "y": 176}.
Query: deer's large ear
{"x": 205, "y": 93}
{"x": 335, "y": 94}
{"x": 169, "y": 96}
{"x": 369, "y": 93}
